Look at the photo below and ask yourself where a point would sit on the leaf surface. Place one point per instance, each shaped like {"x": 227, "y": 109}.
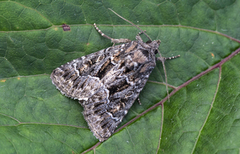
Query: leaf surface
{"x": 201, "y": 116}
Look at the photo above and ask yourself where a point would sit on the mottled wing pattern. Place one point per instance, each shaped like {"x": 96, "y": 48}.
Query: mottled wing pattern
{"x": 106, "y": 83}
{"x": 76, "y": 79}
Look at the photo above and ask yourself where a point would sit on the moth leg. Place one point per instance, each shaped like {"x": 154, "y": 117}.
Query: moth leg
{"x": 121, "y": 40}
{"x": 162, "y": 59}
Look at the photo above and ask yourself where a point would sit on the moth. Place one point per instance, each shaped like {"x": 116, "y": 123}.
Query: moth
{"x": 107, "y": 82}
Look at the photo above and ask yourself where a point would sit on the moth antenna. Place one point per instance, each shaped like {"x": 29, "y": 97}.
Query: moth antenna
{"x": 99, "y": 31}
{"x": 142, "y": 31}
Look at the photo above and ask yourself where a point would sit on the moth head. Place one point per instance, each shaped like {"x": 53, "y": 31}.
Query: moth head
{"x": 154, "y": 45}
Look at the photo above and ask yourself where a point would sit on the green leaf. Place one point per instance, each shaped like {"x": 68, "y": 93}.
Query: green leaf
{"x": 203, "y": 111}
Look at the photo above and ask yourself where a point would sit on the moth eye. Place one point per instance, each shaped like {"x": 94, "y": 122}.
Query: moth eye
{"x": 155, "y": 51}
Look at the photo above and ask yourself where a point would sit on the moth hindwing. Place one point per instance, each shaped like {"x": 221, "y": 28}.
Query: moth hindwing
{"x": 107, "y": 82}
